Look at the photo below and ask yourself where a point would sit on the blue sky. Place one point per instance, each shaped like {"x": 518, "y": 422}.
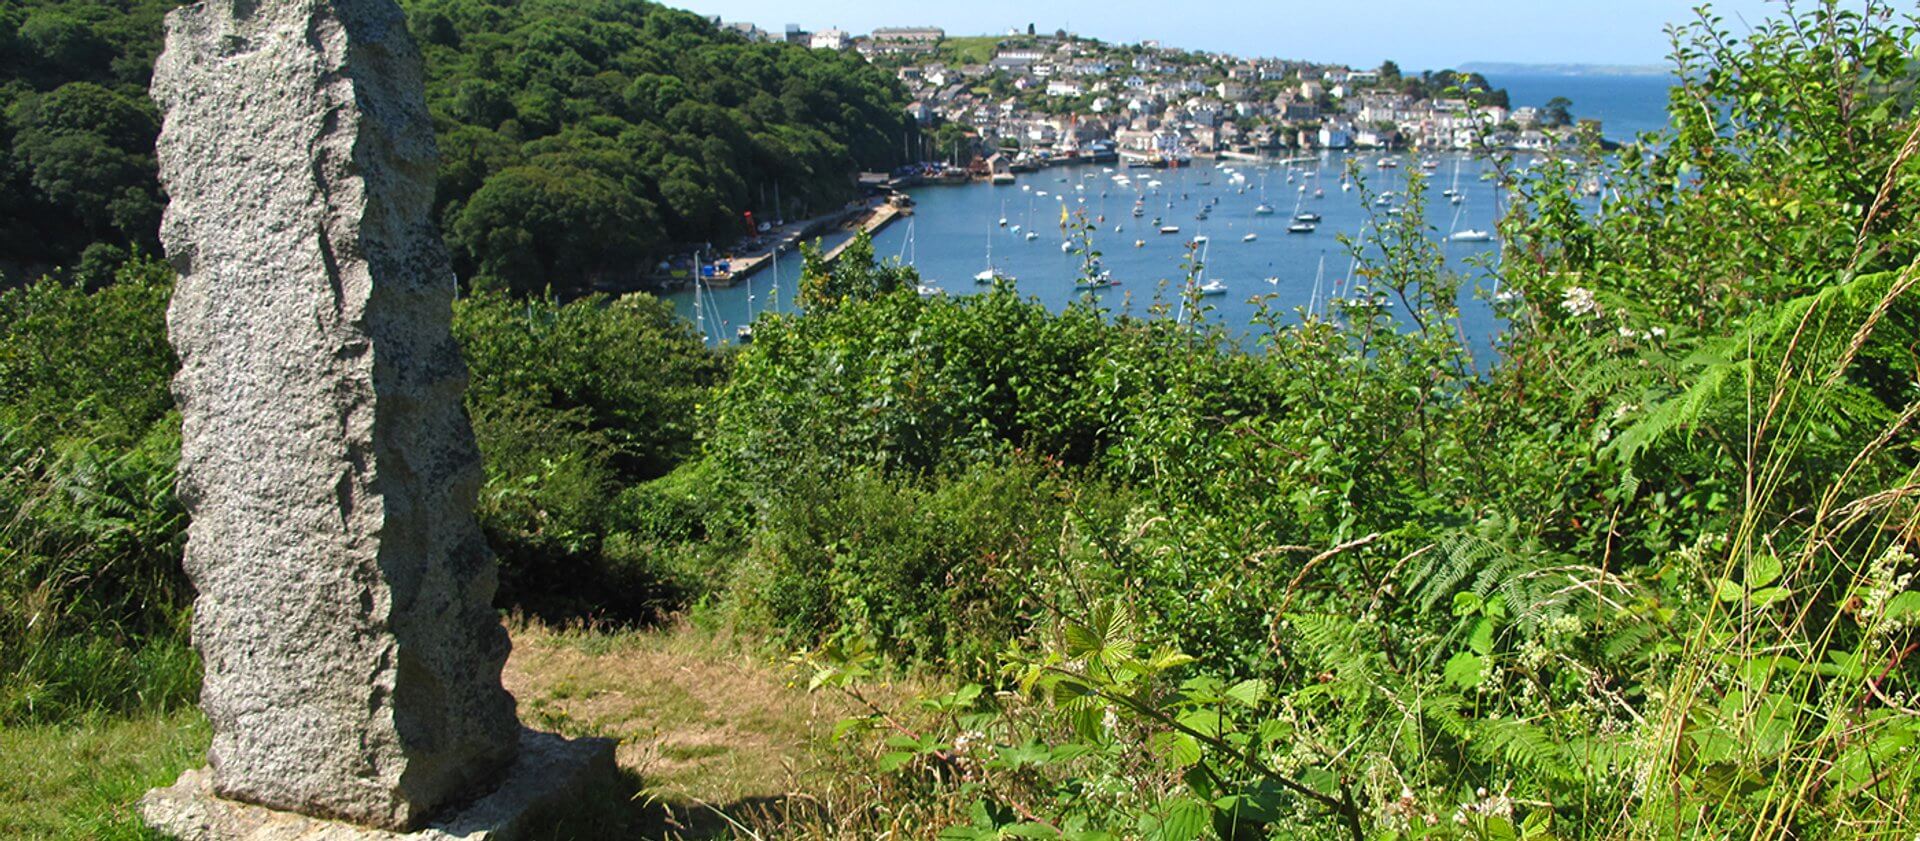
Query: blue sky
{"x": 1419, "y": 35}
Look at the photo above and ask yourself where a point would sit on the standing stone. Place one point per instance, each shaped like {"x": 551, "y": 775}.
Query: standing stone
{"x": 344, "y": 614}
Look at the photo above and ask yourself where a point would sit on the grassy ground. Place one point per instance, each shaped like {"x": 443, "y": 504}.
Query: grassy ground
{"x": 80, "y": 780}
{"x": 714, "y": 735}
{"x": 714, "y": 738}
{"x": 973, "y": 49}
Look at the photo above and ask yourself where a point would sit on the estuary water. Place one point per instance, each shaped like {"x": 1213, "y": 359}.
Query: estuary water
{"x": 953, "y": 227}
{"x": 955, "y": 233}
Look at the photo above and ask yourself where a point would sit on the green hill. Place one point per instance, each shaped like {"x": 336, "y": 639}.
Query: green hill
{"x": 579, "y": 140}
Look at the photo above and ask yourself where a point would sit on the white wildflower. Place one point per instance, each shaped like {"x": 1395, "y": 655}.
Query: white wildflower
{"x": 964, "y": 741}
{"x": 1884, "y": 581}
{"x": 1579, "y": 301}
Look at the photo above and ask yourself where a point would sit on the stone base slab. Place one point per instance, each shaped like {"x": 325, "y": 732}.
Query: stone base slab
{"x": 550, "y": 770}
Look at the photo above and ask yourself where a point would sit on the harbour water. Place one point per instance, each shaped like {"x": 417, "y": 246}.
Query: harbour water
{"x": 949, "y": 233}
{"x": 947, "y": 238}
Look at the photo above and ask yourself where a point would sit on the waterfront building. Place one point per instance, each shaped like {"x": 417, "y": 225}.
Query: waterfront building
{"x": 1336, "y": 134}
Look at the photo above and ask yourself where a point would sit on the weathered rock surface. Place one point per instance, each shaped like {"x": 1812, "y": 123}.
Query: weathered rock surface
{"x": 549, "y": 774}
{"x": 352, "y": 655}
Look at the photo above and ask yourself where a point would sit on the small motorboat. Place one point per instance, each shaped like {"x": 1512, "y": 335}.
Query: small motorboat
{"x": 1213, "y": 287}
{"x": 1301, "y": 228}
{"x": 1100, "y": 281}
{"x": 1249, "y": 237}
{"x": 1471, "y": 235}
{"x": 1169, "y": 229}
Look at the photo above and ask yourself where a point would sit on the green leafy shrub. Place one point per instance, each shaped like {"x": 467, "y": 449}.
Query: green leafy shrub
{"x": 92, "y": 598}
{"x": 574, "y": 405}
{"x": 940, "y": 571}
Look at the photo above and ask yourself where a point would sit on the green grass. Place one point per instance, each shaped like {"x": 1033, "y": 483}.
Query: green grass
{"x": 80, "y": 780}
{"x": 971, "y": 49}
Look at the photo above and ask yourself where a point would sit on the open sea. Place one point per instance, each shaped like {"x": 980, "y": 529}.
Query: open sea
{"x": 1625, "y": 105}
{"x": 954, "y": 228}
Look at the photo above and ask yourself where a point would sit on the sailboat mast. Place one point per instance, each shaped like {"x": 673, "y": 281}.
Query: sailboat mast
{"x": 699, "y": 313}
{"x": 1354, "y": 264}
{"x": 990, "y": 244}
{"x": 1319, "y": 274}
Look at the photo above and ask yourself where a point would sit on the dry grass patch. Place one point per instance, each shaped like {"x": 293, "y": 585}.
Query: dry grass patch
{"x": 717, "y": 733}
{"x": 700, "y": 716}
{"x": 716, "y": 740}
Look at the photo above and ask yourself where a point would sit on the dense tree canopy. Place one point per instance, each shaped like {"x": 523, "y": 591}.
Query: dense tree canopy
{"x": 579, "y": 140}
{"x": 77, "y": 182}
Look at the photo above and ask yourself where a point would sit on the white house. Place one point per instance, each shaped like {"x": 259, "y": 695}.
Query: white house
{"x": 1336, "y": 134}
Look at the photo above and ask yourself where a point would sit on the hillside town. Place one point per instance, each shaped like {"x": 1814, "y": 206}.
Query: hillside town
{"x": 1002, "y": 103}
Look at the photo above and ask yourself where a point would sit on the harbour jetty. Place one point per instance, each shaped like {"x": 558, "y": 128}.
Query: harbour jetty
{"x": 876, "y": 221}
{"x": 723, "y": 271}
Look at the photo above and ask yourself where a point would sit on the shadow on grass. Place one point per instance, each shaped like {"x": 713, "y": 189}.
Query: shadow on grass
{"x": 622, "y": 808}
